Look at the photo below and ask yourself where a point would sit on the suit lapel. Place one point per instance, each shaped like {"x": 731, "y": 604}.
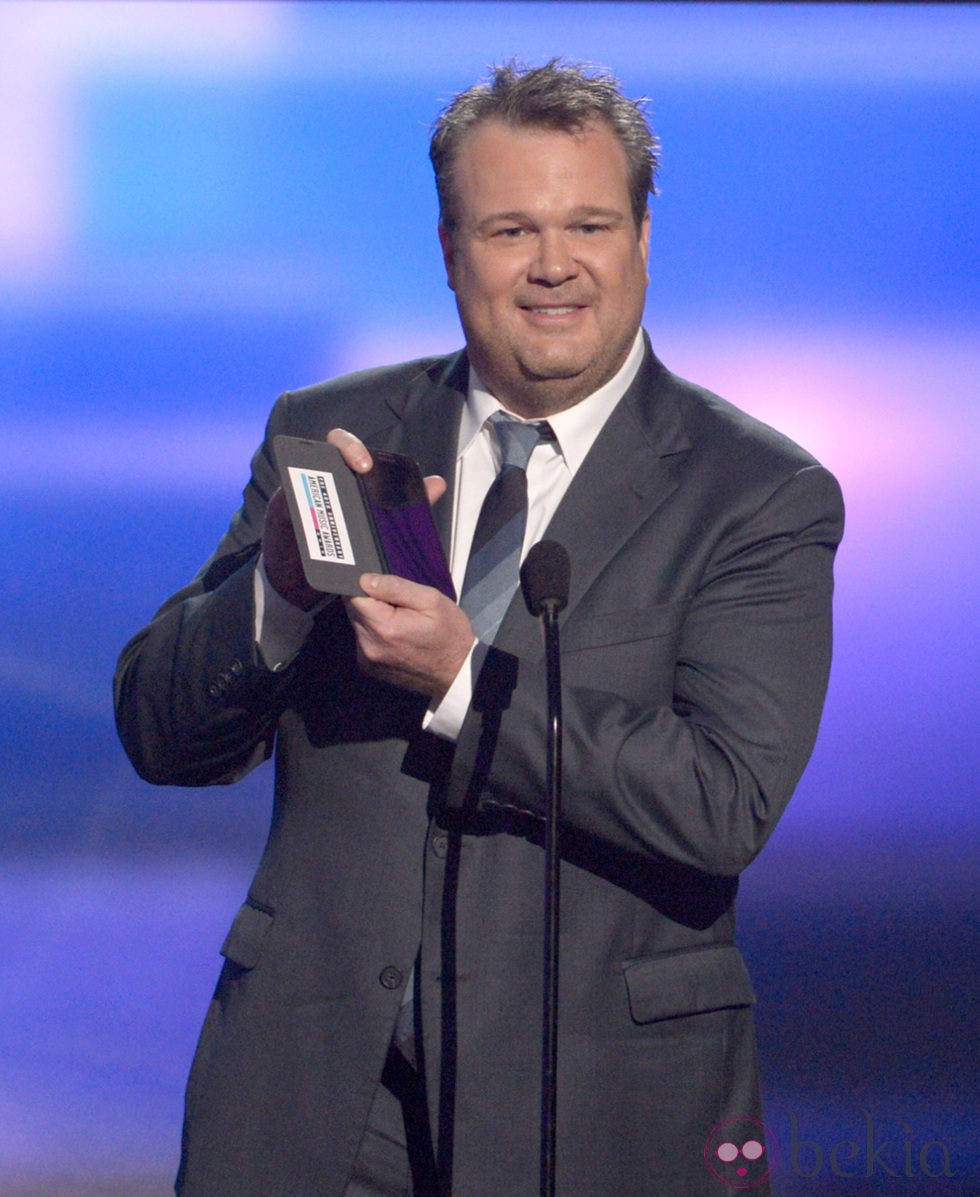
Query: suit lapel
{"x": 627, "y": 474}
{"x": 427, "y": 429}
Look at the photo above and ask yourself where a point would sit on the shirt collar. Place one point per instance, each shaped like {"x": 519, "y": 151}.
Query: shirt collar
{"x": 576, "y": 428}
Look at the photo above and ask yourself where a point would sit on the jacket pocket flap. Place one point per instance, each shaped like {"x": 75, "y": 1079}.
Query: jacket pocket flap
{"x": 691, "y": 982}
{"x": 243, "y": 943}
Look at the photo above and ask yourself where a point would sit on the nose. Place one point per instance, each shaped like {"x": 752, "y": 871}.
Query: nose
{"x": 554, "y": 262}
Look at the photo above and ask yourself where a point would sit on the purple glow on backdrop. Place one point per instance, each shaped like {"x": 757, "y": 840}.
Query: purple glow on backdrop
{"x": 859, "y": 407}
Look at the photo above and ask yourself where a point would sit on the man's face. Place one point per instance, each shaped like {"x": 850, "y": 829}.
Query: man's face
{"x": 547, "y": 264}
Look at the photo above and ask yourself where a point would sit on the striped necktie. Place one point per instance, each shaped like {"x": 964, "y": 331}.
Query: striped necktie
{"x": 492, "y": 574}
{"x": 492, "y": 571}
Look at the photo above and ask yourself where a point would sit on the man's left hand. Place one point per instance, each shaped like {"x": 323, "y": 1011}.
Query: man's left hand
{"x": 409, "y": 635}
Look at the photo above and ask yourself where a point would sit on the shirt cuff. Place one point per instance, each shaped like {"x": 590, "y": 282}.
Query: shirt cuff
{"x": 446, "y": 719}
{"x": 280, "y": 628}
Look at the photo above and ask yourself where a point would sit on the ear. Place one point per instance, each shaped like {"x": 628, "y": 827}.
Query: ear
{"x": 448, "y": 255}
{"x": 645, "y": 241}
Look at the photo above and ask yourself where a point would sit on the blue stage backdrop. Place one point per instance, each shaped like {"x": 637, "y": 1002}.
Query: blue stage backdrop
{"x": 204, "y": 204}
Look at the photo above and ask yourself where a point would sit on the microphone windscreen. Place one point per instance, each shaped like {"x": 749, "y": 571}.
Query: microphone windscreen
{"x": 545, "y": 577}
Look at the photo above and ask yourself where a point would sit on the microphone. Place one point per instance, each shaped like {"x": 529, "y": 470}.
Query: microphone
{"x": 545, "y": 578}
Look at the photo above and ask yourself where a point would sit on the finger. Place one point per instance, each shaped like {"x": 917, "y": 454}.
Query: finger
{"x": 435, "y": 488}
{"x": 352, "y": 448}
{"x": 281, "y": 555}
{"x": 277, "y": 531}
{"x": 396, "y": 591}
{"x": 277, "y": 509}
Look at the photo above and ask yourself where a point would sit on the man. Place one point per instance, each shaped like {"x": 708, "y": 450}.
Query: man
{"x": 385, "y": 968}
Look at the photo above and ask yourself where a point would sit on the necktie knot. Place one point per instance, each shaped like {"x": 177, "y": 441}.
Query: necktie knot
{"x": 517, "y": 439}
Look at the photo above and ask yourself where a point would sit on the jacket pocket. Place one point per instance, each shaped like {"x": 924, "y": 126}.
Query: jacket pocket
{"x": 243, "y": 943}
{"x": 687, "y": 982}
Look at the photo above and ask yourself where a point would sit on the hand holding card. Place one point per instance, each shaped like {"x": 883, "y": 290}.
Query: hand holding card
{"x": 348, "y": 524}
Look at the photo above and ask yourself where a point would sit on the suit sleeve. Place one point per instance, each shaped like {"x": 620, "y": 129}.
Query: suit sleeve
{"x": 195, "y": 704}
{"x": 700, "y": 780}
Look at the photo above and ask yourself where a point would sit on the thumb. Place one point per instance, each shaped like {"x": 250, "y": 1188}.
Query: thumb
{"x": 435, "y": 488}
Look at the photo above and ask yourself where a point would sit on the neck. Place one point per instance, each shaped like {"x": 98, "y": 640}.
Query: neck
{"x": 539, "y": 398}
{"x": 533, "y": 397}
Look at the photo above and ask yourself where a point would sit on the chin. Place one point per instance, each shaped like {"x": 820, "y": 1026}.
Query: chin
{"x": 555, "y": 367}
{"x": 536, "y": 396}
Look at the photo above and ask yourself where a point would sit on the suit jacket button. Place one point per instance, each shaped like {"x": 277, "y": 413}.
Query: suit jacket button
{"x": 236, "y": 668}
{"x": 391, "y": 977}
{"x": 440, "y": 845}
{"x": 214, "y": 690}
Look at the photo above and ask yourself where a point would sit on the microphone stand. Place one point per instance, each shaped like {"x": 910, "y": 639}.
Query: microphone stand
{"x": 552, "y": 893}
{"x": 545, "y": 577}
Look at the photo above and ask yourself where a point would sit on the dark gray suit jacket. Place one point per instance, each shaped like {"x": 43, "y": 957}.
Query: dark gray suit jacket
{"x": 696, "y": 648}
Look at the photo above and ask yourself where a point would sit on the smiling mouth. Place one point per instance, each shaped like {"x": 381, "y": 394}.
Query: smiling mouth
{"x": 553, "y": 309}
